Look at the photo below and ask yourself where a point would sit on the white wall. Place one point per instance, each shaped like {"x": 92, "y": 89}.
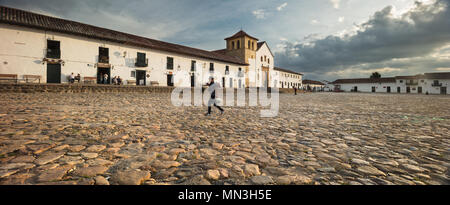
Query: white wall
{"x": 23, "y": 49}
{"x": 426, "y": 85}
{"x": 367, "y": 87}
{"x": 315, "y": 87}
{"x": 287, "y": 80}
{"x": 269, "y": 62}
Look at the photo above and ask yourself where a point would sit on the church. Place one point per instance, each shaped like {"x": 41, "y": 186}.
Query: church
{"x": 44, "y": 49}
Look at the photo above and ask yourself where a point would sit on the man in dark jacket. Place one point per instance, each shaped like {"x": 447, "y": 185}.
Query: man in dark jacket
{"x": 212, "y": 100}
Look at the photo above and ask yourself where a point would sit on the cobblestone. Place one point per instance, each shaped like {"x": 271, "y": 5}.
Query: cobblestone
{"x": 138, "y": 138}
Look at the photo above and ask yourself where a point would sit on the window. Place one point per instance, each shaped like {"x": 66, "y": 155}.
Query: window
{"x": 240, "y": 73}
{"x": 265, "y": 58}
{"x": 169, "y": 63}
{"x": 103, "y": 55}
{"x": 193, "y": 67}
{"x": 227, "y": 70}
{"x": 253, "y": 45}
{"x": 53, "y": 49}
{"x": 141, "y": 60}
{"x": 133, "y": 74}
{"x": 248, "y": 44}
{"x": 435, "y": 83}
{"x": 232, "y": 45}
{"x": 401, "y": 81}
{"x": 211, "y": 67}
{"x": 140, "y": 56}
{"x": 238, "y": 44}
{"x": 261, "y": 59}
{"x": 268, "y": 60}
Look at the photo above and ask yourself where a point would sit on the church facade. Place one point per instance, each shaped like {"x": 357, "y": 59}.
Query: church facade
{"x": 53, "y": 48}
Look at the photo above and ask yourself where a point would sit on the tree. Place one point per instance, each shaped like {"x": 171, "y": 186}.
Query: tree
{"x": 375, "y": 75}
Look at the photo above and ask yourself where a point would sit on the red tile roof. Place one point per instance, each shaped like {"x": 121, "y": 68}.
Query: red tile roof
{"x": 37, "y": 21}
{"x": 259, "y": 44}
{"x": 312, "y": 82}
{"x": 364, "y": 80}
{"x": 445, "y": 75}
{"x": 286, "y": 70}
{"x": 409, "y": 77}
{"x": 239, "y": 34}
{"x": 221, "y": 51}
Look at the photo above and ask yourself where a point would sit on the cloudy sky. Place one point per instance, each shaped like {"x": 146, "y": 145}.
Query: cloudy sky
{"x": 325, "y": 39}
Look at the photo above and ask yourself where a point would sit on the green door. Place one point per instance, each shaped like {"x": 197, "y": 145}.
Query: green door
{"x": 170, "y": 80}
{"x": 53, "y": 73}
{"x": 141, "y": 77}
{"x": 443, "y": 90}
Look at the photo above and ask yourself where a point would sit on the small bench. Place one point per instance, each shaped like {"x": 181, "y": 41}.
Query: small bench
{"x": 131, "y": 82}
{"x": 92, "y": 80}
{"x": 9, "y": 77}
{"x": 154, "y": 83}
{"x": 33, "y": 77}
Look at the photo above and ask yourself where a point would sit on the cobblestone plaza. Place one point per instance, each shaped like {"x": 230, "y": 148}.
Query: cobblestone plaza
{"x": 317, "y": 138}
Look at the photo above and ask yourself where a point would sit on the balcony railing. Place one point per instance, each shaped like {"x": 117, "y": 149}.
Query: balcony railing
{"x": 53, "y": 53}
{"x": 436, "y": 84}
{"x": 141, "y": 62}
{"x": 103, "y": 59}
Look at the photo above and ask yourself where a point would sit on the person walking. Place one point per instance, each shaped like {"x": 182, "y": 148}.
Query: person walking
{"x": 212, "y": 100}
{"x": 295, "y": 90}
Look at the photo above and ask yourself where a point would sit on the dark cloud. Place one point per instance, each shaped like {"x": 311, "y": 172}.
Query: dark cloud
{"x": 197, "y": 23}
{"x": 379, "y": 42}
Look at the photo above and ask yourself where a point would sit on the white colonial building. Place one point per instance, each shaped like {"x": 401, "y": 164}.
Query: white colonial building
{"x": 313, "y": 85}
{"x": 51, "y": 49}
{"x": 428, "y": 83}
{"x": 287, "y": 78}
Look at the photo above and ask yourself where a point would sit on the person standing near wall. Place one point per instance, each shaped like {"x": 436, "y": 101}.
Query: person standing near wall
{"x": 71, "y": 78}
{"x": 78, "y": 78}
{"x": 105, "y": 79}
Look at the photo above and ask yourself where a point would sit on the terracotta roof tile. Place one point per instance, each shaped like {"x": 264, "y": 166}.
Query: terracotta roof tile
{"x": 312, "y": 82}
{"x": 364, "y": 80}
{"x": 28, "y": 19}
{"x": 241, "y": 33}
{"x": 286, "y": 70}
{"x": 409, "y": 77}
{"x": 445, "y": 75}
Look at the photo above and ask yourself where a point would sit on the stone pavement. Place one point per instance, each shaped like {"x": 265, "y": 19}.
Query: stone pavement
{"x": 130, "y": 138}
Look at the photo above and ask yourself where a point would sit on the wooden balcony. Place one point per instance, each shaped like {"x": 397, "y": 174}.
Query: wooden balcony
{"x": 141, "y": 62}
